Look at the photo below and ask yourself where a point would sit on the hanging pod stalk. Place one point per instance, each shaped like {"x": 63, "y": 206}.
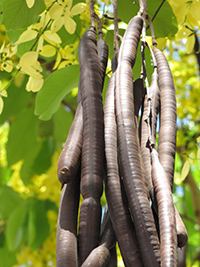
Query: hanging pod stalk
{"x": 93, "y": 144}
{"x": 130, "y": 164}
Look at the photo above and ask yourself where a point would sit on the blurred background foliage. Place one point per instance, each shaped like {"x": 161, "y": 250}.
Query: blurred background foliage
{"x": 39, "y": 76}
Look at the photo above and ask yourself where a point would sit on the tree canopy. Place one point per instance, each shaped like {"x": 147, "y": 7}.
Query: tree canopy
{"x": 39, "y": 77}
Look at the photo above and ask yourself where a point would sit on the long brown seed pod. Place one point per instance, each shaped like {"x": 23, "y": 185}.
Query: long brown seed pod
{"x": 166, "y": 213}
{"x": 69, "y": 159}
{"x": 102, "y": 49}
{"x": 93, "y": 145}
{"x": 99, "y": 257}
{"x": 121, "y": 223}
{"x": 130, "y": 165}
{"x": 66, "y": 246}
{"x": 167, "y": 131}
{"x": 138, "y": 94}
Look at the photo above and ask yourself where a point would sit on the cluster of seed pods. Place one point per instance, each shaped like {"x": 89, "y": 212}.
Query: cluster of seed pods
{"x": 114, "y": 147}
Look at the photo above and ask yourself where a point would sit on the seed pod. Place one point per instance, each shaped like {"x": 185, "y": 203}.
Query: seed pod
{"x": 182, "y": 235}
{"x": 89, "y": 227}
{"x": 69, "y": 159}
{"x": 130, "y": 165}
{"x": 66, "y": 246}
{"x": 102, "y": 49}
{"x": 138, "y": 94}
{"x": 93, "y": 145}
{"x": 166, "y": 213}
{"x": 121, "y": 223}
{"x": 167, "y": 131}
{"x": 93, "y": 141}
{"x": 99, "y": 257}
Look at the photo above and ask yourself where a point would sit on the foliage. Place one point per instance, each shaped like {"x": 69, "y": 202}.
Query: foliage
{"x": 38, "y": 97}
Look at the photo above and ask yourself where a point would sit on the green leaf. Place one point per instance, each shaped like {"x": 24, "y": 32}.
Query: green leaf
{"x": 38, "y": 225}
{"x": 9, "y": 201}
{"x": 22, "y": 136}
{"x": 16, "y": 13}
{"x": 11, "y": 106}
{"x": 165, "y": 22}
{"x": 26, "y": 171}
{"x": 55, "y": 87}
{"x": 15, "y": 230}
{"x": 7, "y": 257}
{"x": 43, "y": 159}
{"x": 62, "y": 121}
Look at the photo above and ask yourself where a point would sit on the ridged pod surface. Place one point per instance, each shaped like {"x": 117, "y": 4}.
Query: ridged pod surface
{"x": 69, "y": 159}
{"x": 145, "y": 152}
{"x": 130, "y": 165}
{"x": 166, "y": 213}
{"x": 167, "y": 131}
{"x": 93, "y": 144}
{"x": 66, "y": 245}
{"x": 102, "y": 49}
{"x": 121, "y": 223}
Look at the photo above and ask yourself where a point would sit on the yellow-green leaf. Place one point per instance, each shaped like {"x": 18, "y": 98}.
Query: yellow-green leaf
{"x": 4, "y": 93}
{"x": 1, "y": 105}
{"x": 198, "y": 140}
{"x": 54, "y": 37}
{"x": 40, "y": 44}
{"x": 31, "y": 72}
{"x": 26, "y": 36}
{"x": 57, "y": 24}
{"x": 198, "y": 157}
{"x": 190, "y": 44}
{"x": 58, "y": 60}
{"x": 34, "y": 85}
{"x": 185, "y": 170}
{"x": 8, "y": 65}
{"x": 48, "y": 51}
{"x": 70, "y": 24}
{"x": 30, "y": 3}
{"x": 78, "y": 9}
{"x": 55, "y": 11}
{"x": 28, "y": 59}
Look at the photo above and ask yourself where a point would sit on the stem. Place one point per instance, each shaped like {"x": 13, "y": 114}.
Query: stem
{"x": 39, "y": 35}
{"x": 143, "y": 6}
{"x": 92, "y": 20}
{"x": 99, "y": 25}
{"x": 116, "y": 29}
{"x": 152, "y": 31}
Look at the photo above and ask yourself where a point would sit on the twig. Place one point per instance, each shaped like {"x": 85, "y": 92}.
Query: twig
{"x": 39, "y": 35}
{"x": 152, "y": 31}
{"x": 156, "y": 12}
{"x": 92, "y": 20}
{"x": 143, "y": 6}
{"x": 116, "y": 29}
